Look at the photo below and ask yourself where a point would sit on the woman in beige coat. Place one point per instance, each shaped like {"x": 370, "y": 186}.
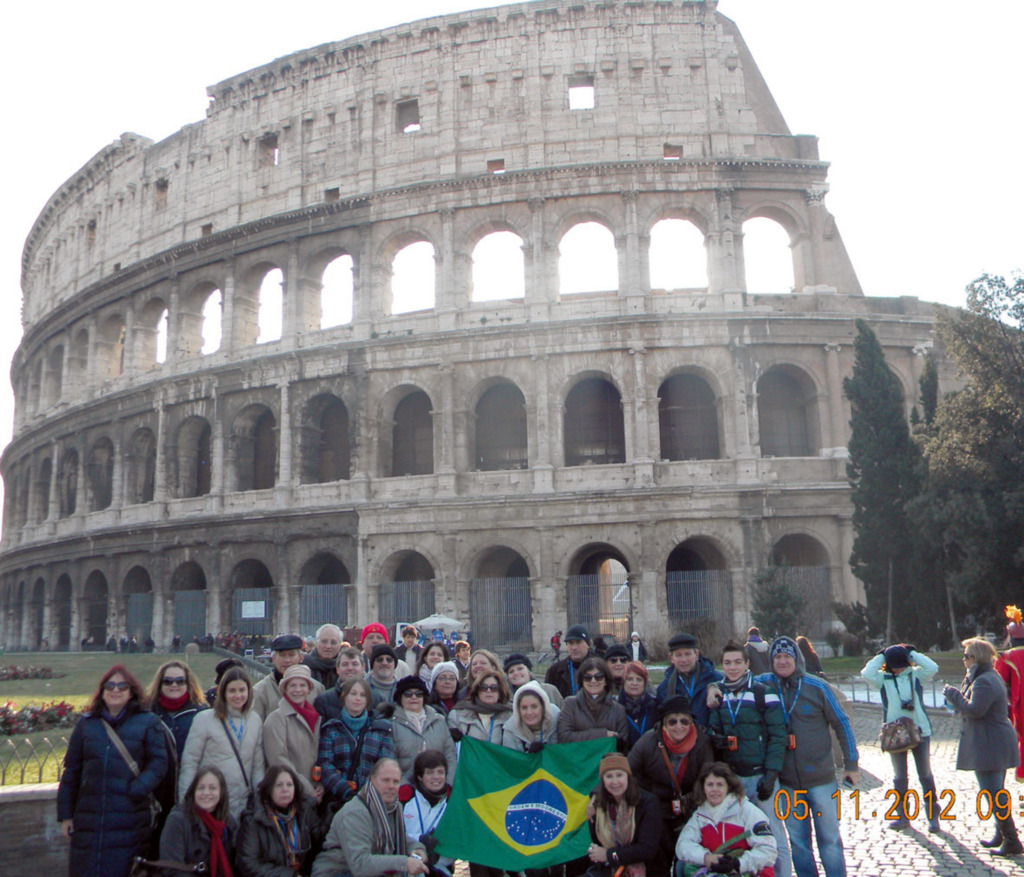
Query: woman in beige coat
{"x": 291, "y": 733}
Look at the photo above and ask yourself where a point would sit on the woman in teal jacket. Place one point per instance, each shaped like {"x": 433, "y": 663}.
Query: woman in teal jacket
{"x": 897, "y": 672}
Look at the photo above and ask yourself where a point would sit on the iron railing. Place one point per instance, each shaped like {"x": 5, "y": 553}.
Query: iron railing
{"x": 24, "y": 761}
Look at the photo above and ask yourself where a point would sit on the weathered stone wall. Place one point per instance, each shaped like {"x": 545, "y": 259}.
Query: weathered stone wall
{"x": 303, "y": 160}
{"x": 30, "y": 838}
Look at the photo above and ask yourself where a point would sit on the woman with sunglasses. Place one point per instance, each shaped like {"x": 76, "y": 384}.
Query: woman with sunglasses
{"x": 102, "y": 805}
{"x": 988, "y": 743}
{"x": 483, "y": 712}
{"x": 592, "y": 713}
{"x": 666, "y": 761}
{"x": 177, "y": 698}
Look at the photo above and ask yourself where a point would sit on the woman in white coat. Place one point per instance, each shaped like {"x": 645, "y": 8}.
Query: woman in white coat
{"x": 534, "y": 720}
{"x": 229, "y": 737}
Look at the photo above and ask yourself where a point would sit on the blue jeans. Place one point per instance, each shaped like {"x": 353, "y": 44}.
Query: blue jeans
{"x": 922, "y": 760}
{"x": 783, "y": 861}
{"x": 826, "y": 830}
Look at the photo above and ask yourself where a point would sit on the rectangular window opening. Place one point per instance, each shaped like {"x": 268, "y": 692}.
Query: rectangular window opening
{"x": 269, "y": 153}
{"x": 206, "y": 230}
{"x": 332, "y": 195}
{"x": 496, "y": 166}
{"x": 581, "y": 92}
{"x": 161, "y": 192}
{"x": 672, "y": 153}
{"x": 408, "y": 115}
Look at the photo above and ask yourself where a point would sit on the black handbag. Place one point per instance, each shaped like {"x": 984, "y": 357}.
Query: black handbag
{"x": 162, "y": 867}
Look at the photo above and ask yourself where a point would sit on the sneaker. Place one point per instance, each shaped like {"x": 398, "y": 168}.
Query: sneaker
{"x": 899, "y": 825}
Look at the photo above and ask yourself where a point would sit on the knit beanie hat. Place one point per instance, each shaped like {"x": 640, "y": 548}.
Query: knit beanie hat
{"x": 443, "y": 667}
{"x": 783, "y": 646}
{"x": 409, "y": 683}
{"x": 375, "y": 627}
{"x": 614, "y": 761}
{"x": 517, "y": 658}
{"x": 379, "y": 651}
{"x": 896, "y": 657}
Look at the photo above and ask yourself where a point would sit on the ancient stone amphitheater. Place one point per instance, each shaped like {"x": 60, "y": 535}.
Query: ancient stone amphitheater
{"x": 321, "y": 355}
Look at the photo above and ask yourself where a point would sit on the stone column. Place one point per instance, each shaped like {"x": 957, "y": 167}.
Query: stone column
{"x": 129, "y": 352}
{"x": 217, "y": 451}
{"x": 291, "y": 306}
{"x": 540, "y": 278}
{"x": 542, "y": 434}
{"x": 227, "y": 319}
{"x": 725, "y": 256}
{"x": 53, "y": 512}
{"x": 117, "y": 478}
{"x": 836, "y": 407}
{"x": 283, "y": 609}
{"x": 284, "y": 479}
{"x": 160, "y": 473}
{"x": 445, "y": 282}
{"x": 174, "y": 325}
{"x": 628, "y": 246}
{"x": 91, "y": 366}
{"x": 812, "y": 259}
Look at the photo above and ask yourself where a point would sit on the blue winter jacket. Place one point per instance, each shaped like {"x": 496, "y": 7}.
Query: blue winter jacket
{"x": 703, "y": 675}
{"x": 109, "y": 805}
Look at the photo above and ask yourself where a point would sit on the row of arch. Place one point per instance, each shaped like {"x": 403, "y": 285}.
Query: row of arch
{"x": 503, "y": 595}
{"x": 251, "y": 309}
{"x": 690, "y": 427}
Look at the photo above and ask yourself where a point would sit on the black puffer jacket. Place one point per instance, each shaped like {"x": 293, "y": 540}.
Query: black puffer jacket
{"x": 187, "y": 840}
{"x": 648, "y": 766}
{"x": 109, "y": 805}
{"x": 260, "y": 852}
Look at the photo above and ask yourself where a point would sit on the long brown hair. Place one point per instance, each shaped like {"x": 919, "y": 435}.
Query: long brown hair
{"x": 220, "y": 705}
{"x": 721, "y": 770}
{"x": 97, "y": 705}
{"x": 504, "y": 692}
{"x": 188, "y": 803}
{"x": 432, "y": 645}
{"x": 603, "y": 800}
{"x": 266, "y": 786}
{"x": 195, "y": 690}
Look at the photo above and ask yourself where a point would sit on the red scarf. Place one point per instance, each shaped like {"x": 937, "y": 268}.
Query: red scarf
{"x": 682, "y": 748}
{"x": 305, "y": 709}
{"x": 219, "y": 865}
{"x": 173, "y": 704}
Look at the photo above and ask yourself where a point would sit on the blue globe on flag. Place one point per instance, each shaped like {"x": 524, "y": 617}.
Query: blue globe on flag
{"x": 537, "y": 814}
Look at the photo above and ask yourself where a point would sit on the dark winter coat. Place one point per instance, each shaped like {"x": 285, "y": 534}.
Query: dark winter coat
{"x": 338, "y": 749}
{"x": 648, "y": 767}
{"x": 179, "y": 723}
{"x": 260, "y": 851}
{"x": 329, "y": 703}
{"x": 696, "y": 688}
{"x": 323, "y": 670}
{"x": 187, "y": 840}
{"x": 562, "y": 674}
{"x": 987, "y": 739}
{"x": 647, "y": 827}
{"x": 759, "y": 727}
{"x": 641, "y": 714}
{"x": 109, "y": 805}
{"x": 577, "y": 723}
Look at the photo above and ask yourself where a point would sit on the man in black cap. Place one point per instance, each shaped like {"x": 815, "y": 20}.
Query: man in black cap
{"x": 518, "y": 669}
{"x": 285, "y": 652}
{"x": 562, "y": 674}
{"x": 690, "y": 675}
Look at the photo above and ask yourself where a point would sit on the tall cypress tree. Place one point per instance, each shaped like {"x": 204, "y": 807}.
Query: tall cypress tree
{"x": 883, "y": 474}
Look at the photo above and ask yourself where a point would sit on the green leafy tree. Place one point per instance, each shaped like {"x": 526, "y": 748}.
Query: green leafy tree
{"x": 929, "y": 384}
{"x": 883, "y": 475}
{"x": 970, "y": 513}
{"x": 778, "y": 606}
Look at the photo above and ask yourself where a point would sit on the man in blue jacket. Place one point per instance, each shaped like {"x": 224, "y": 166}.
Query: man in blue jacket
{"x": 689, "y": 675}
{"x": 808, "y": 774}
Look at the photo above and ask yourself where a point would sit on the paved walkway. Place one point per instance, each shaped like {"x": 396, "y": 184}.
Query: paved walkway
{"x": 872, "y": 850}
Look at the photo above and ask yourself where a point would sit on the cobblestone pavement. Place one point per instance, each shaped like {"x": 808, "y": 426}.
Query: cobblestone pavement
{"x": 872, "y": 850}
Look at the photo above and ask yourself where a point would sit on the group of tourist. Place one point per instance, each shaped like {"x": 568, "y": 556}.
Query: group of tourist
{"x": 340, "y": 761}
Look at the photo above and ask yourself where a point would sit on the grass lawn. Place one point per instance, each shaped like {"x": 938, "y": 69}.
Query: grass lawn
{"x": 35, "y": 757}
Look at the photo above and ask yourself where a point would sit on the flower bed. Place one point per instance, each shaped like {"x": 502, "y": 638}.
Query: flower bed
{"x": 35, "y": 718}
{"x": 8, "y": 674}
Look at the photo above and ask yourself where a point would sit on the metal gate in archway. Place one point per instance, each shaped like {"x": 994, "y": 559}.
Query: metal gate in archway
{"x": 601, "y": 603}
{"x": 189, "y": 615}
{"x": 322, "y": 604}
{"x": 252, "y": 611}
{"x": 500, "y": 614}
{"x": 139, "y": 616}
{"x": 699, "y": 597}
{"x": 404, "y": 601}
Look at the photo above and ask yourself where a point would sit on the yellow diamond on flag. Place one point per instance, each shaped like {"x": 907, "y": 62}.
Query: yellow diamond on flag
{"x": 533, "y": 815}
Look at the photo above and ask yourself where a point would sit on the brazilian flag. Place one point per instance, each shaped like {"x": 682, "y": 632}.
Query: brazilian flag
{"x": 516, "y": 810}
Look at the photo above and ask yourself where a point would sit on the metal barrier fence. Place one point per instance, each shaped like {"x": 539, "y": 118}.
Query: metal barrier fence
{"x": 601, "y": 603}
{"x": 700, "y": 594}
{"x": 404, "y": 601}
{"x": 252, "y": 611}
{"x": 500, "y": 613}
{"x": 190, "y": 614}
{"x": 139, "y": 615}
{"x": 25, "y": 761}
{"x": 320, "y": 604}
{"x": 860, "y": 691}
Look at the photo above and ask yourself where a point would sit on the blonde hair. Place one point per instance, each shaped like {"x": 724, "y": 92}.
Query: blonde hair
{"x": 981, "y": 650}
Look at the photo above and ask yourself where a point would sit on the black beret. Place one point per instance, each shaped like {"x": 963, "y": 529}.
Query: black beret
{"x": 682, "y": 641}
{"x": 517, "y": 658}
{"x": 286, "y": 642}
{"x": 409, "y": 683}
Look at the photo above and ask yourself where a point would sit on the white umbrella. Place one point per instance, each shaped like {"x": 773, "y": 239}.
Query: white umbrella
{"x": 432, "y": 622}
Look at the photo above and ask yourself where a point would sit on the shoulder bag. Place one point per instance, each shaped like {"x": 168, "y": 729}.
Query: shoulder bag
{"x": 154, "y": 805}
{"x": 162, "y": 867}
{"x": 250, "y": 799}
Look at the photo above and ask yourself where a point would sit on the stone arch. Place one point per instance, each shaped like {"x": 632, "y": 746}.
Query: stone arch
{"x": 787, "y": 412}
{"x": 498, "y": 263}
{"x": 252, "y": 600}
{"x": 100, "y": 474}
{"x": 698, "y": 588}
{"x": 770, "y": 254}
{"x": 406, "y": 588}
{"x": 412, "y": 435}
{"x": 324, "y": 592}
{"x": 677, "y": 254}
{"x": 141, "y": 466}
{"x": 588, "y": 259}
{"x": 252, "y": 304}
{"x": 110, "y": 347}
{"x": 200, "y": 321}
{"x": 326, "y": 447}
{"x": 336, "y": 278}
{"x": 688, "y": 418}
{"x": 94, "y": 607}
{"x": 805, "y": 564}
{"x": 151, "y": 333}
{"x": 500, "y": 609}
{"x": 597, "y": 590}
{"x": 43, "y": 490}
{"x": 254, "y": 440}
{"x": 137, "y": 603}
{"x": 500, "y": 428}
{"x": 593, "y": 425}
{"x": 62, "y": 613}
{"x": 53, "y": 387}
{"x": 194, "y": 456}
{"x": 189, "y": 601}
{"x": 412, "y": 282}
{"x": 69, "y": 477}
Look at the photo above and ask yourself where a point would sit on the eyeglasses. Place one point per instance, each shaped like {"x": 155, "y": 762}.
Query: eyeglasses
{"x": 673, "y": 722}
{"x": 415, "y": 693}
{"x": 490, "y": 686}
{"x": 593, "y": 677}
{"x": 617, "y": 660}
{"x": 173, "y": 680}
{"x": 967, "y": 657}
{"x": 116, "y": 686}
{"x": 384, "y": 660}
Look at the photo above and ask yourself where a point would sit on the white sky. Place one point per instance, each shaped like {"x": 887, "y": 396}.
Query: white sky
{"x": 918, "y": 105}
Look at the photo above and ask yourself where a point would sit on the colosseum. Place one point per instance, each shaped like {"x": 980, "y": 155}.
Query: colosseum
{"x": 325, "y": 354}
